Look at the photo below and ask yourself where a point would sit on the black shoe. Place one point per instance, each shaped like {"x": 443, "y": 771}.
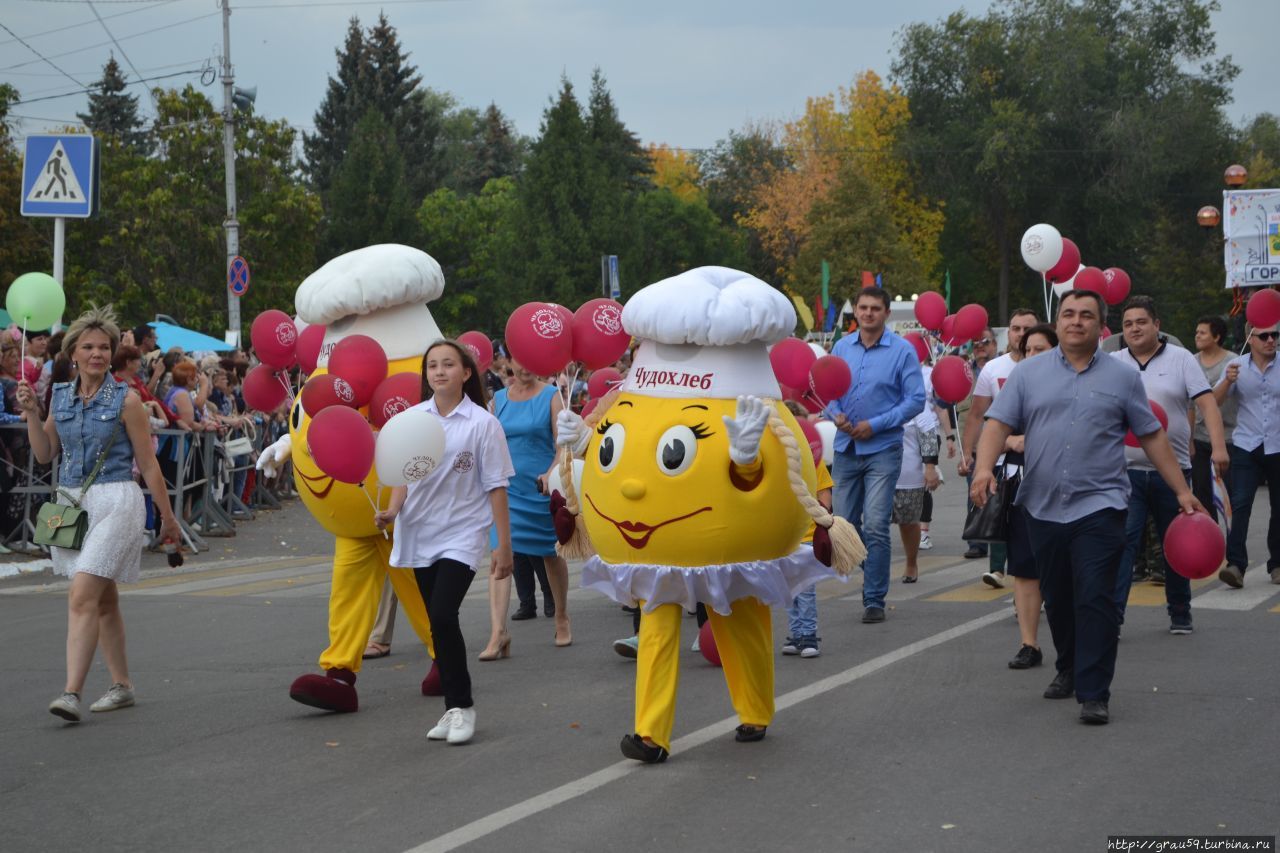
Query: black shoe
{"x": 548, "y": 609}
{"x": 633, "y": 746}
{"x": 1027, "y": 657}
{"x": 975, "y": 552}
{"x": 1095, "y": 713}
{"x": 1063, "y": 686}
{"x": 873, "y": 614}
{"x": 525, "y": 611}
{"x": 749, "y": 734}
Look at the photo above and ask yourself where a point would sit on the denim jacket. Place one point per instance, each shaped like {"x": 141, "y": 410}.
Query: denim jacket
{"x": 83, "y": 430}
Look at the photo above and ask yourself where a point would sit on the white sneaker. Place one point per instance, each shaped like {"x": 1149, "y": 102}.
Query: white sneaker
{"x": 66, "y": 706}
{"x": 463, "y": 725}
{"x": 994, "y": 580}
{"x": 926, "y": 544}
{"x": 117, "y": 697}
{"x": 441, "y": 730}
{"x": 697, "y": 644}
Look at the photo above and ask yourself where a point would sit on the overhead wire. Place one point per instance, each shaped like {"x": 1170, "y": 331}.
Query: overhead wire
{"x": 42, "y": 58}
{"x": 87, "y": 23}
{"x": 105, "y": 43}
{"x": 89, "y": 89}
{"x": 154, "y": 101}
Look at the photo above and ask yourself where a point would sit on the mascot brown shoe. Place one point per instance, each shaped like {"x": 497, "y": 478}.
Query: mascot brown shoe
{"x": 333, "y": 691}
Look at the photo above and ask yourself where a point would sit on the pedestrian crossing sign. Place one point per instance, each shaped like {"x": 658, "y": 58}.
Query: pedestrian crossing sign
{"x": 60, "y": 176}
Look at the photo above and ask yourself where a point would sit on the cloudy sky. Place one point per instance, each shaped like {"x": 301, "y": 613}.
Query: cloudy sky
{"x": 682, "y": 73}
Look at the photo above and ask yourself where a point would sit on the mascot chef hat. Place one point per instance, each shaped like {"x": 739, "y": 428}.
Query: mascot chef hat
{"x": 381, "y": 291}
{"x": 706, "y": 333}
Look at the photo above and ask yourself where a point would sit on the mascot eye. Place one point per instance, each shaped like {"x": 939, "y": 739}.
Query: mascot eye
{"x": 676, "y": 450}
{"x": 611, "y": 447}
{"x": 296, "y": 418}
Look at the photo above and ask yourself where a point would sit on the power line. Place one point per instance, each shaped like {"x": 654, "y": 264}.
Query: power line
{"x": 42, "y": 56}
{"x": 90, "y": 89}
{"x": 136, "y": 73}
{"x": 105, "y": 43}
{"x": 87, "y": 23}
{"x": 96, "y": 71}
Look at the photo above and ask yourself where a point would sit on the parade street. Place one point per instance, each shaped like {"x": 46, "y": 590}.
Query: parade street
{"x": 908, "y": 735}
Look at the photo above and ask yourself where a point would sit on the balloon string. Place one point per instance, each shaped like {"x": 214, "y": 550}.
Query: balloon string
{"x": 288, "y": 388}
{"x": 22, "y": 365}
{"x": 1044, "y": 285}
{"x": 376, "y": 510}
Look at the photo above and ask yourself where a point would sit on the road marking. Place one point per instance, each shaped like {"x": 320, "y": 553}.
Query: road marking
{"x": 1144, "y": 594}
{"x": 227, "y": 581}
{"x": 226, "y": 572}
{"x": 292, "y": 582}
{"x": 1257, "y": 589}
{"x": 973, "y": 592}
{"x": 571, "y": 790}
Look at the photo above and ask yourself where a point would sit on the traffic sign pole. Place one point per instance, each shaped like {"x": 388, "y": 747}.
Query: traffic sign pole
{"x": 59, "y": 250}
{"x": 229, "y": 163}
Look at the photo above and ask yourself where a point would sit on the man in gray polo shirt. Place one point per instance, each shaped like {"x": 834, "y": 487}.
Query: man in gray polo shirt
{"x": 1074, "y": 404}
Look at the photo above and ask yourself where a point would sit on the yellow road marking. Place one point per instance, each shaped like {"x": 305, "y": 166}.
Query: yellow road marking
{"x": 1144, "y": 594}
{"x": 972, "y": 592}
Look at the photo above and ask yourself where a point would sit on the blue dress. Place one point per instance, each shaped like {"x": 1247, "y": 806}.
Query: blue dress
{"x": 527, "y": 425}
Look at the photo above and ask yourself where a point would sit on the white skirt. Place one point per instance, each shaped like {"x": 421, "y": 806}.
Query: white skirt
{"x": 775, "y": 583}
{"x": 113, "y": 546}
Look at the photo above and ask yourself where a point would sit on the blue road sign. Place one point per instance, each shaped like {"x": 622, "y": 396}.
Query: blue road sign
{"x": 615, "y": 289}
{"x": 60, "y": 176}
{"x": 238, "y": 276}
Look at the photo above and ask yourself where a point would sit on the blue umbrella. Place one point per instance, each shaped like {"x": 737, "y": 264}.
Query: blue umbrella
{"x": 169, "y": 335}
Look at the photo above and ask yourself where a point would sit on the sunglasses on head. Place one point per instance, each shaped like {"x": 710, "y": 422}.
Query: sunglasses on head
{"x": 1266, "y": 336}
{"x": 982, "y": 342}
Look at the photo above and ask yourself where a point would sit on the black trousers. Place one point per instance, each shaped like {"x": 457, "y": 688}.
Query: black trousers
{"x": 443, "y": 585}
{"x": 525, "y": 569}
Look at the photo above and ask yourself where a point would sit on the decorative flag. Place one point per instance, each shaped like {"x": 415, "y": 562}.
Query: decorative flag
{"x": 948, "y": 288}
{"x": 826, "y": 284}
{"x": 806, "y": 315}
{"x": 868, "y": 280}
{"x": 878, "y": 282}
{"x": 831, "y": 319}
{"x": 819, "y": 315}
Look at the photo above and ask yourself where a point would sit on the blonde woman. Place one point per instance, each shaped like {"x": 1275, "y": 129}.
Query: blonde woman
{"x": 90, "y": 418}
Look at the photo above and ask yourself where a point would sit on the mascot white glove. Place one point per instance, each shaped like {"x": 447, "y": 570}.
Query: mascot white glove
{"x": 273, "y": 457}
{"x": 572, "y": 432}
{"x": 746, "y": 429}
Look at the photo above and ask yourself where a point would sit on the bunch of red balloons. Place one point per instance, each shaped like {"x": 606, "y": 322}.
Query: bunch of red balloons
{"x": 1057, "y": 258}
{"x": 806, "y": 377}
{"x": 274, "y": 336}
{"x": 600, "y": 383}
{"x": 956, "y": 329}
{"x": 544, "y": 337}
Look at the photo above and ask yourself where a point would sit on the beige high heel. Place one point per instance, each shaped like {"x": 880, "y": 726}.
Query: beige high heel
{"x": 503, "y": 650}
{"x": 567, "y": 639}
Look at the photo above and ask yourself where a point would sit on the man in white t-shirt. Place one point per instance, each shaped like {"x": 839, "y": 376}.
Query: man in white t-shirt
{"x": 990, "y": 381}
{"x": 1174, "y": 380}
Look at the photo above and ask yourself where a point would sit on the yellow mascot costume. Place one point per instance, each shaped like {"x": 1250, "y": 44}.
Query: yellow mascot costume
{"x": 696, "y": 488}
{"x": 382, "y": 292}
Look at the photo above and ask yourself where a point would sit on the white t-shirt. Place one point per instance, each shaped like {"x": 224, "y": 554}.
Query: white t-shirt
{"x": 1173, "y": 379}
{"x": 993, "y": 376}
{"x": 446, "y": 515}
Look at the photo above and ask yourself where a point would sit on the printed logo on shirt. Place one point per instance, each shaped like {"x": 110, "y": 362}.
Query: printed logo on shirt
{"x": 646, "y": 378}
{"x": 464, "y": 462}
{"x": 417, "y": 468}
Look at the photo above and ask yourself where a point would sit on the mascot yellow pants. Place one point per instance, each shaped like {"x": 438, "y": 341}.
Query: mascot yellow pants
{"x": 745, "y": 642}
{"x": 359, "y": 568}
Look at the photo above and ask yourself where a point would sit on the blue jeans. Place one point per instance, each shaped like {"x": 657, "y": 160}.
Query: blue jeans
{"x": 1246, "y": 466}
{"x": 802, "y": 615}
{"x": 864, "y": 495}
{"x": 1150, "y": 494}
{"x": 1077, "y": 561}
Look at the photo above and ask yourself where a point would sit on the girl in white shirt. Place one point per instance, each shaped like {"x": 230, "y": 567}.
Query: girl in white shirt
{"x": 446, "y": 519}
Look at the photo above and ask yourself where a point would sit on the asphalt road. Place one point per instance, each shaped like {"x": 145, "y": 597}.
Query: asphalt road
{"x": 909, "y": 735}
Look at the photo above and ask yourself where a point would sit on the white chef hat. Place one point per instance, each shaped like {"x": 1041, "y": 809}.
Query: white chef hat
{"x": 381, "y": 291}
{"x": 705, "y": 333}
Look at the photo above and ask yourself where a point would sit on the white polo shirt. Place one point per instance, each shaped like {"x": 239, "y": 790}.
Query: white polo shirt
{"x": 446, "y": 515}
{"x": 1173, "y": 379}
{"x": 993, "y": 376}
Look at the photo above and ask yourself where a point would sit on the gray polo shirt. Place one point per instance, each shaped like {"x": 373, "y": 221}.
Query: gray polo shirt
{"x": 1074, "y": 425}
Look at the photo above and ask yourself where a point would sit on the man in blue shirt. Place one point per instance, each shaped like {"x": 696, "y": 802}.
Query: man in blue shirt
{"x": 887, "y": 391}
{"x": 1074, "y": 404}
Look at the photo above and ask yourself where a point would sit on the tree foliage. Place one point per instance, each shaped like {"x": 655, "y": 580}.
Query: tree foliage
{"x": 113, "y": 114}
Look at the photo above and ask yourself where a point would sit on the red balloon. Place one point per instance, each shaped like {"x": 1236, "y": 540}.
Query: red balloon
{"x": 274, "y": 338}
{"x": 1194, "y": 545}
{"x": 791, "y": 359}
{"x": 949, "y": 335}
{"x": 1067, "y": 265}
{"x": 1091, "y": 278}
{"x": 359, "y": 360}
{"x": 589, "y": 406}
{"x": 811, "y": 435}
{"x": 393, "y": 395}
{"x": 341, "y": 444}
{"x": 1263, "y": 309}
{"x": 930, "y": 309}
{"x": 952, "y": 378}
{"x": 264, "y": 389}
{"x": 917, "y": 340}
{"x": 309, "y": 342}
{"x": 707, "y": 644}
{"x": 602, "y": 382}
{"x": 327, "y": 390}
{"x": 970, "y": 321}
{"x": 540, "y": 338}
{"x": 1106, "y": 332}
{"x": 481, "y": 348}
{"x": 830, "y": 378}
{"x": 598, "y": 337}
{"x": 565, "y": 314}
{"x": 1157, "y": 410}
{"x": 1118, "y": 285}
{"x": 801, "y": 396}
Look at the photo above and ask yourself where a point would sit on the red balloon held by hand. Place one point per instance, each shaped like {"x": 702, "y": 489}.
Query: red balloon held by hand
{"x": 540, "y": 338}
{"x": 1117, "y": 285}
{"x": 930, "y": 310}
{"x": 830, "y": 378}
{"x": 1091, "y": 278}
{"x": 1066, "y": 266}
{"x": 1263, "y": 310}
{"x": 341, "y": 444}
{"x": 275, "y": 339}
{"x": 791, "y": 359}
{"x": 310, "y": 340}
{"x": 327, "y": 390}
{"x": 598, "y": 337}
{"x": 970, "y": 321}
{"x": 1156, "y": 409}
{"x": 812, "y": 436}
{"x": 952, "y": 378}
{"x": 264, "y": 389}
{"x": 360, "y": 360}
{"x": 1194, "y": 545}
{"x": 917, "y": 340}
{"x": 602, "y": 382}
{"x": 395, "y": 394}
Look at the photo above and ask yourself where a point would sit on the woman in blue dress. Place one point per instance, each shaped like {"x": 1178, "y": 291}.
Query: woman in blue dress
{"x": 527, "y": 410}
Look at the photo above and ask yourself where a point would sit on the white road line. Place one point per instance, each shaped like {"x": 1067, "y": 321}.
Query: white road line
{"x": 1257, "y": 589}
{"x": 931, "y": 582}
{"x": 320, "y": 569}
{"x": 550, "y": 799}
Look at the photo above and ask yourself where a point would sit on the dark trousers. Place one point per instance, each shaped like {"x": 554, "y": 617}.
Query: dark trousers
{"x": 443, "y": 585}
{"x": 1150, "y": 495}
{"x": 1078, "y": 562}
{"x": 1247, "y": 467}
{"x": 1202, "y": 477}
{"x": 926, "y": 514}
{"x": 524, "y": 570}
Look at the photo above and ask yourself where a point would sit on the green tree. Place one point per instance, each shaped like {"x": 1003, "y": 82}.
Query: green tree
{"x": 334, "y": 119}
{"x": 618, "y": 152}
{"x": 370, "y": 201}
{"x": 732, "y": 173}
{"x": 113, "y": 114}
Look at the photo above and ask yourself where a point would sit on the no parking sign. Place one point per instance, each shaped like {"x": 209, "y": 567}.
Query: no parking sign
{"x": 238, "y": 276}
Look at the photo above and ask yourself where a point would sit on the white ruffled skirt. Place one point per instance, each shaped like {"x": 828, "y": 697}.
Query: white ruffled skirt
{"x": 774, "y": 582}
{"x": 113, "y": 546}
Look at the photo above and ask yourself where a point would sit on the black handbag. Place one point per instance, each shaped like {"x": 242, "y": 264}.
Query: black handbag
{"x": 990, "y": 522}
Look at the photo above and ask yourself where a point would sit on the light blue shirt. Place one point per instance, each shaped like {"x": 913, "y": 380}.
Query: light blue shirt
{"x": 1258, "y": 417}
{"x": 1075, "y": 425}
{"x": 887, "y": 390}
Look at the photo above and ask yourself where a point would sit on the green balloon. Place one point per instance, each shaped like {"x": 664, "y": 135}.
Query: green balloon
{"x": 35, "y": 300}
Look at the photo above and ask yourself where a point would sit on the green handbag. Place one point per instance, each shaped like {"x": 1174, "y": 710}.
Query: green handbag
{"x": 65, "y": 525}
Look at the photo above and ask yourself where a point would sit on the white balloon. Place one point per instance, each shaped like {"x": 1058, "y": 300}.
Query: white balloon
{"x": 410, "y": 446}
{"x": 818, "y": 349}
{"x": 1041, "y": 247}
{"x": 1062, "y": 287}
{"x": 827, "y": 430}
{"x": 555, "y": 484}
